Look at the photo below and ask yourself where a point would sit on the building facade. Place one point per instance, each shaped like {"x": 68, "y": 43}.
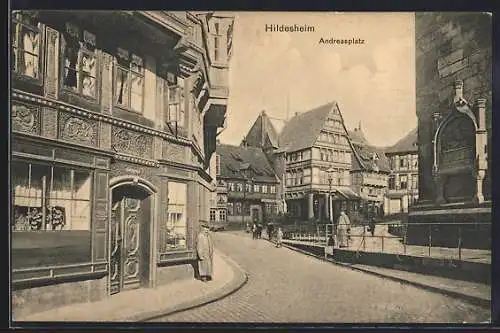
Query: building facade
{"x": 403, "y": 180}
{"x": 311, "y": 144}
{"x": 112, "y": 138}
{"x": 248, "y": 184}
{"x": 369, "y": 175}
{"x": 454, "y": 104}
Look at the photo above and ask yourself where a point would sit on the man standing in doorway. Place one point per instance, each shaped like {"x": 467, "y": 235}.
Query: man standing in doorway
{"x": 205, "y": 250}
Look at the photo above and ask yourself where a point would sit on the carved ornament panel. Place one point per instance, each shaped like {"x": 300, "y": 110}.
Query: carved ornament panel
{"x": 77, "y": 129}
{"x": 25, "y": 118}
{"x": 131, "y": 142}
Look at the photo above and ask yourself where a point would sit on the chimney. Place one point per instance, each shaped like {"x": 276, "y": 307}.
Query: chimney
{"x": 359, "y": 125}
{"x": 263, "y": 113}
{"x": 459, "y": 89}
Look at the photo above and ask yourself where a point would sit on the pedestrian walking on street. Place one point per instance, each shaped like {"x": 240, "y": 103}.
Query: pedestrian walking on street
{"x": 343, "y": 227}
{"x": 270, "y": 231}
{"x": 372, "y": 226}
{"x": 205, "y": 251}
{"x": 259, "y": 231}
{"x": 279, "y": 237}
{"x": 254, "y": 231}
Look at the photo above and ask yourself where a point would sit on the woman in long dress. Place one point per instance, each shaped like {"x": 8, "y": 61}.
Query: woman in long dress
{"x": 343, "y": 226}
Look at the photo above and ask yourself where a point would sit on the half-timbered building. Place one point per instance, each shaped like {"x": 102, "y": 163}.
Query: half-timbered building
{"x": 114, "y": 123}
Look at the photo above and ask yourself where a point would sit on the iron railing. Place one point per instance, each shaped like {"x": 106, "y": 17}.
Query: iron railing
{"x": 470, "y": 241}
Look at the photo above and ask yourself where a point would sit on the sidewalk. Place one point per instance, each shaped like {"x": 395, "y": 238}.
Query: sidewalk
{"x": 143, "y": 304}
{"x": 476, "y": 293}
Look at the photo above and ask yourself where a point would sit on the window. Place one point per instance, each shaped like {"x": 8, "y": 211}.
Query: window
{"x": 239, "y": 187}
{"x": 176, "y": 217}
{"x": 217, "y": 164}
{"x": 217, "y": 47}
{"x": 403, "y": 162}
{"x": 392, "y": 182}
{"x": 237, "y": 210}
{"x": 248, "y": 188}
{"x": 26, "y": 40}
{"x": 79, "y": 61}
{"x": 256, "y": 188}
{"x": 403, "y": 180}
{"x": 230, "y": 208}
{"x": 176, "y": 107}
{"x": 51, "y": 209}
{"x": 414, "y": 181}
{"x": 222, "y": 215}
{"x": 272, "y": 188}
{"x": 129, "y": 80}
{"x": 230, "y": 186}
{"x": 264, "y": 188}
{"x": 213, "y": 213}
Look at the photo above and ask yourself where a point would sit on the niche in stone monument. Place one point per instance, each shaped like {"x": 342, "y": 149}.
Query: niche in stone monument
{"x": 457, "y": 158}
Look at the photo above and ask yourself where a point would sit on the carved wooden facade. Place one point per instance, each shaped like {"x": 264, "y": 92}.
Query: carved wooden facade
{"x": 75, "y": 122}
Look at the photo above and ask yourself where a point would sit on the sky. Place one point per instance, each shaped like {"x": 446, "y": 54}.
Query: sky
{"x": 373, "y": 82}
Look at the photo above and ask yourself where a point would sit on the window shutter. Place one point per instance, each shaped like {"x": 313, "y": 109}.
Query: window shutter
{"x": 101, "y": 216}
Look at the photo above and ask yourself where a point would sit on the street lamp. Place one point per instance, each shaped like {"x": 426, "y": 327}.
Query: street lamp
{"x": 330, "y": 180}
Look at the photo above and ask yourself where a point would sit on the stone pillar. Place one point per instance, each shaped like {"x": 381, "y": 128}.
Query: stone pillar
{"x": 310, "y": 206}
{"x": 481, "y": 149}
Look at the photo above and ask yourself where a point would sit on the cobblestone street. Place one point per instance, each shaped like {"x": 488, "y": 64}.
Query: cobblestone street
{"x": 286, "y": 286}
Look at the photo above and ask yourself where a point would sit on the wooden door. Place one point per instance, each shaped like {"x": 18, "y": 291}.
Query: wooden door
{"x": 125, "y": 261}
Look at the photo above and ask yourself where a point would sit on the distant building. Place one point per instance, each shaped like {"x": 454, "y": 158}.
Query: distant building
{"x": 454, "y": 107}
{"x": 403, "y": 180}
{"x": 310, "y": 144}
{"x": 369, "y": 174}
{"x": 251, "y": 186}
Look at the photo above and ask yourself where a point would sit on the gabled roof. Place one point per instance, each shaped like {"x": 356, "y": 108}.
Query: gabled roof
{"x": 262, "y": 133}
{"x": 357, "y": 137}
{"x": 408, "y": 143}
{"x": 366, "y": 157}
{"x": 301, "y": 131}
{"x": 235, "y": 158}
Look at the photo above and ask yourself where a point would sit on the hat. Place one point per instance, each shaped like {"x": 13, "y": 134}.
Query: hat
{"x": 204, "y": 225}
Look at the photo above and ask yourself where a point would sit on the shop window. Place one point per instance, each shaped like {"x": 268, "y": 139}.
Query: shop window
{"x": 129, "y": 80}
{"x": 79, "y": 61}
{"x": 176, "y": 216}
{"x": 51, "y": 212}
{"x": 213, "y": 213}
{"x": 26, "y": 44}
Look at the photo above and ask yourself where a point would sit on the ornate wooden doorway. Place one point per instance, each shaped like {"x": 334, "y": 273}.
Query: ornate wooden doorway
{"x": 129, "y": 256}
